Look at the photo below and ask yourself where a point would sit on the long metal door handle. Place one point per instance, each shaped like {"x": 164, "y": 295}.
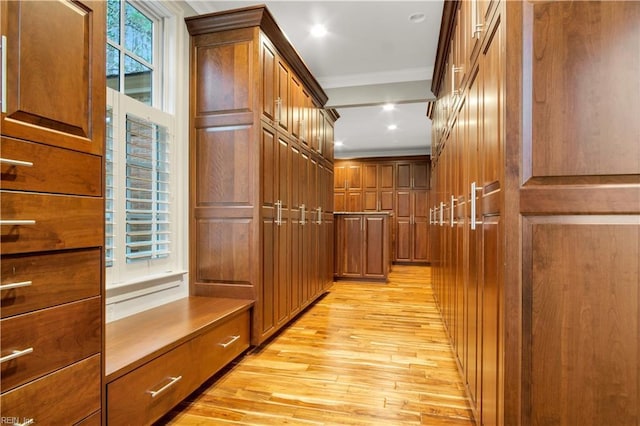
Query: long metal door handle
{"x": 15, "y": 285}
{"x": 15, "y": 354}
{"x": 441, "y": 213}
{"x": 11, "y": 162}
{"x": 173, "y": 381}
{"x": 229, "y": 342}
{"x": 453, "y": 204}
{"x": 473, "y": 205}
{"x": 4, "y": 74}
{"x": 303, "y": 214}
{"x": 17, "y": 222}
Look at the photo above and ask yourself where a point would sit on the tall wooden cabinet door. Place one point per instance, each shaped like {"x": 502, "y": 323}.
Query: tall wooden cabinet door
{"x": 420, "y": 228}
{"x": 370, "y": 187}
{"x": 269, "y": 82}
{"x": 403, "y": 226}
{"x": 53, "y": 52}
{"x": 403, "y": 175}
{"x": 283, "y": 96}
{"x": 270, "y": 182}
{"x": 354, "y": 177}
{"x": 283, "y": 242}
{"x": 305, "y": 169}
{"x": 375, "y": 247}
{"x": 296, "y": 107}
{"x": 295, "y": 256}
{"x": 386, "y": 187}
{"x": 328, "y": 136}
{"x": 314, "y": 227}
{"x": 352, "y": 243}
{"x": 420, "y": 175}
{"x": 340, "y": 177}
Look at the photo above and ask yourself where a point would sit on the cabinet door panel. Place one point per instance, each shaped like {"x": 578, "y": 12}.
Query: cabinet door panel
{"x": 584, "y": 311}
{"x": 385, "y": 176}
{"x": 375, "y": 247}
{"x": 403, "y": 240}
{"x": 352, "y": 246}
{"x": 268, "y": 80}
{"x": 354, "y": 176}
{"x": 566, "y": 142}
{"x": 403, "y": 175}
{"x": 370, "y": 176}
{"x": 284, "y": 97}
{"x": 370, "y": 201}
{"x": 420, "y": 175}
{"x": 55, "y": 48}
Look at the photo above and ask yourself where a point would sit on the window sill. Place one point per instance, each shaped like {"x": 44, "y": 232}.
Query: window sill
{"x": 143, "y": 285}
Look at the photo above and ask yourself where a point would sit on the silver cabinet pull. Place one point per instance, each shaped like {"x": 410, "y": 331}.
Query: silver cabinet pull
{"x": 473, "y": 205}
{"x": 278, "y": 110}
{"x": 15, "y": 285}
{"x": 441, "y": 213}
{"x": 27, "y": 422}
{"x": 15, "y": 354}
{"x": 303, "y": 215}
{"x": 4, "y": 74}
{"x": 173, "y": 381}
{"x": 453, "y": 203}
{"x": 16, "y": 162}
{"x": 319, "y": 210}
{"x": 477, "y": 30}
{"x": 229, "y": 342}
{"x": 17, "y": 222}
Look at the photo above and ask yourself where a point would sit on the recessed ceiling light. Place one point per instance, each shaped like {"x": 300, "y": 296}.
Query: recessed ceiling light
{"x": 416, "y": 18}
{"x": 338, "y": 143}
{"x": 388, "y": 107}
{"x": 392, "y": 127}
{"x": 318, "y": 30}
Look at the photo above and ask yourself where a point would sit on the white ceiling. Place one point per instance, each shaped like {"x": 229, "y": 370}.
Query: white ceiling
{"x": 371, "y": 55}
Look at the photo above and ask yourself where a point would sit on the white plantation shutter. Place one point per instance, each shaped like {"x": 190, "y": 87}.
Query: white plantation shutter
{"x": 148, "y": 220}
{"x": 109, "y": 196}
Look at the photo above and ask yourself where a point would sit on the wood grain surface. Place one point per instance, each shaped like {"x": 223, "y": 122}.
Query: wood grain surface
{"x": 366, "y": 354}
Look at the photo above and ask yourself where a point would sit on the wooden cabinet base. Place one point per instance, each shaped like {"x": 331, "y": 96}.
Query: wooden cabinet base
{"x": 158, "y": 357}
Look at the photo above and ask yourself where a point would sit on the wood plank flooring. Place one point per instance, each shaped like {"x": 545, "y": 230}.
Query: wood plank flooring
{"x": 366, "y": 354}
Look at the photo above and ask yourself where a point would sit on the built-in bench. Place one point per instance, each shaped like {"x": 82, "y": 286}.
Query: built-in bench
{"x": 155, "y": 358}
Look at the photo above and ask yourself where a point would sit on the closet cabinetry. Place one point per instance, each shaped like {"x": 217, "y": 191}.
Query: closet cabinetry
{"x": 261, "y": 167}
{"x": 52, "y": 211}
{"x": 535, "y": 241}
{"x": 399, "y": 186}
{"x": 362, "y": 246}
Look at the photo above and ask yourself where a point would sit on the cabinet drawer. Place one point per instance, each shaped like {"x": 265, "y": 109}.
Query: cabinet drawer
{"x": 30, "y": 282}
{"x": 56, "y": 336}
{"x": 64, "y": 397}
{"x": 222, "y": 344}
{"x": 171, "y": 376}
{"x": 43, "y": 168}
{"x": 54, "y": 222}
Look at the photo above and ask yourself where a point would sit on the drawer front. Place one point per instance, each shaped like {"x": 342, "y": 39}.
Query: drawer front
{"x": 48, "y": 339}
{"x": 221, "y": 345}
{"x": 28, "y": 166}
{"x": 30, "y": 282}
{"x": 65, "y": 397}
{"x": 130, "y": 400}
{"x": 56, "y": 222}
{"x": 93, "y": 420}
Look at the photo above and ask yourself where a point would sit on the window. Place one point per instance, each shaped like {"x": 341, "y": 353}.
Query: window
{"x": 140, "y": 164}
{"x": 131, "y": 45}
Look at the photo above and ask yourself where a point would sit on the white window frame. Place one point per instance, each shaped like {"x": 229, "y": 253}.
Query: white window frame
{"x": 168, "y": 99}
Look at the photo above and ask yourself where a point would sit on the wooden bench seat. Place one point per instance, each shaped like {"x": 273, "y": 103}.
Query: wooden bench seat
{"x": 155, "y": 358}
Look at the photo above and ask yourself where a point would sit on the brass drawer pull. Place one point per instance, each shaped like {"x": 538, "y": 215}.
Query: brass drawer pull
{"x": 230, "y": 341}
{"x": 15, "y": 354}
{"x": 15, "y": 285}
{"x": 11, "y": 162}
{"x": 173, "y": 381}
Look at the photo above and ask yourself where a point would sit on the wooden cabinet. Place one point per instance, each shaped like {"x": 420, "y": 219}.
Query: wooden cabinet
{"x": 535, "y": 211}
{"x": 362, "y": 246}
{"x": 396, "y": 185}
{"x": 52, "y": 210}
{"x": 158, "y": 357}
{"x": 261, "y": 154}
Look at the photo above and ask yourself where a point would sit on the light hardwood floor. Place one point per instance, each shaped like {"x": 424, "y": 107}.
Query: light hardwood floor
{"x": 366, "y": 354}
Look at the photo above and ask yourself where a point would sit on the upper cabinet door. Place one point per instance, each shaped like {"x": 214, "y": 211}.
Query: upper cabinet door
{"x": 55, "y": 73}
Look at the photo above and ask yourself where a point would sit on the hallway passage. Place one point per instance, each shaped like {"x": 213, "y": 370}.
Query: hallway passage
{"x": 366, "y": 354}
